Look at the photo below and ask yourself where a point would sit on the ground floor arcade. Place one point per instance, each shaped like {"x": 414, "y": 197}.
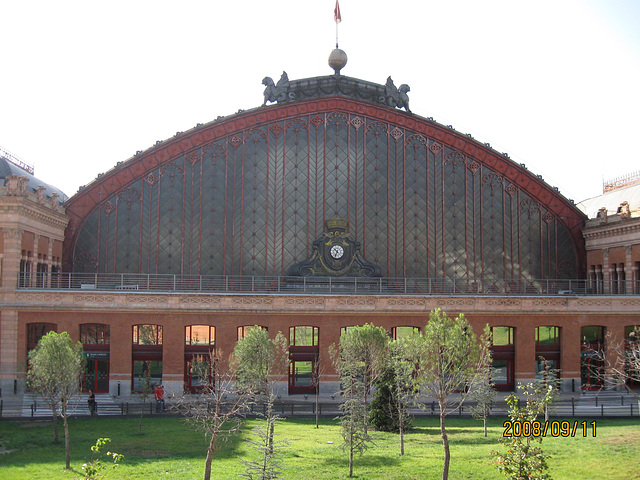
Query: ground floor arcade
{"x": 129, "y": 338}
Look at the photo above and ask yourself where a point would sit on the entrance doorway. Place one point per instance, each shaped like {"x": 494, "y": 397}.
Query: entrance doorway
{"x": 96, "y": 376}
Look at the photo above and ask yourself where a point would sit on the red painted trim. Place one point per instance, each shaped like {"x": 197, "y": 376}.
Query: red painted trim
{"x": 80, "y": 205}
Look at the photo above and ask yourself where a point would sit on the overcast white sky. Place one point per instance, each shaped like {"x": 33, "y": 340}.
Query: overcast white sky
{"x": 555, "y": 84}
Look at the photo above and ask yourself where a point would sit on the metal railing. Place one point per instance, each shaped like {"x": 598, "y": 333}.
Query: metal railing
{"x": 230, "y": 284}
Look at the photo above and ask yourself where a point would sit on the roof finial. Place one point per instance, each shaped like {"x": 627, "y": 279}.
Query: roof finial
{"x": 338, "y": 58}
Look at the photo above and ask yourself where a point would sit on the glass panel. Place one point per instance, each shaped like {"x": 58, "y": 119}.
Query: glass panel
{"x": 302, "y": 373}
{"x": 547, "y": 335}
{"x": 199, "y": 372}
{"x": 552, "y": 364}
{"x": 304, "y": 336}
{"x": 502, "y": 336}
{"x": 242, "y": 331}
{"x": 102, "y": 373}
{"x": 140, "y": 369}
{"x": 199, "y": 335}
{"x": 592, "y": 335}
{"x": 400, "y": 332}
{"x": 147, "y": 334}
{"x": 500, "y": 373}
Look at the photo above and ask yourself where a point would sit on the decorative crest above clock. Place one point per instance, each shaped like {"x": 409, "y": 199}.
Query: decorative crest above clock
{"x": 335, "y": 254}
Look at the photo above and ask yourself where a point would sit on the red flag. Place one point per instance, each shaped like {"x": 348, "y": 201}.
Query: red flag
{"x": 336, "y": 13}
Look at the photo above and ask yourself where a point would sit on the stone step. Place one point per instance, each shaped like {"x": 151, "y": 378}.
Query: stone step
{"x": 35, "y": 406}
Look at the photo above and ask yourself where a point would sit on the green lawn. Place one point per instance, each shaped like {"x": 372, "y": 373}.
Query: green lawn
{"x": 169, "y": 449}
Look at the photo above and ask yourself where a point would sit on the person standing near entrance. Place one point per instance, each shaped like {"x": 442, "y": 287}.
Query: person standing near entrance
{"x": 92, "y": 403}
{"x": 159, "y": 395}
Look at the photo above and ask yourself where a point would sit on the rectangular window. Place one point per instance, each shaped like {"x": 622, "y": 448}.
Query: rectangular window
{"x": 146, "y": 369}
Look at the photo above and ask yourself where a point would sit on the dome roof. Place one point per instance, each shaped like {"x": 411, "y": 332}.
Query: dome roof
{"x": 7, "y": 168}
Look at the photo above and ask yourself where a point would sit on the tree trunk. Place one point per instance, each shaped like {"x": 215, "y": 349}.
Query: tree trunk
{"x": 54, "y": 420}
{"x": 141, "y": 414}
{"x": 445, "y": 443}
{"x": 67, "y": 447}
{"x": 401, "y": 437}
{"x": 484, "y": 421}
{"x": 317, "y": 410}
{"x": 351, "y": 459}
{"x": 210, "y": 450}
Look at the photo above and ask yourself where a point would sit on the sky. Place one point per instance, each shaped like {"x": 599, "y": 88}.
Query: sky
{"x": 555, "y": 84}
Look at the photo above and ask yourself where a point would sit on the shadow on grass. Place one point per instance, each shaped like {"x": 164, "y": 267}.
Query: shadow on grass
{"x": 366, "y": 460}
{"x": 31, "y": 443}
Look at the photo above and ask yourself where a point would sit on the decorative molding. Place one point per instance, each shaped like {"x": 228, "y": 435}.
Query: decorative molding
{"x": 150, "y": 299}
{"x": 93, "y": 298}
{"x": 49, "y": 298}
{"x": 305, "y": 302}
{"x": 244, "y": 301}
{"x": 200, "y": 300}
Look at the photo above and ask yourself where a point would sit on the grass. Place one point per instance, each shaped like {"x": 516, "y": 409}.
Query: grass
{"x": 170, "y": 449}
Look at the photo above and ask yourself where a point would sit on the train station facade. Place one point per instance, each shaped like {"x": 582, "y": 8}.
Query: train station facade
{"x": 330, "y": 207}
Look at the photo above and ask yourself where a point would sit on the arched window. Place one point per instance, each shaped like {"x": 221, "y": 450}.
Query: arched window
{"x": 303, "y": 336}
{"x": 94, "y": 334}
{"x": 147, "y": 334}
{"x": 400, "y": 332}
{"x": 244, "y": 329}
{"x": 35, "y": 331}
{"x": 200, "y": 335}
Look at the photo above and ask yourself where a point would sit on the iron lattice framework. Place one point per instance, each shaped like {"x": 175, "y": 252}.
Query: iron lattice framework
{"x": 248, "y": 197}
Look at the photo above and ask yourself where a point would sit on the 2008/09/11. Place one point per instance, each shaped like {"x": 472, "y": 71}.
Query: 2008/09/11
{"x": 555, "y": 428}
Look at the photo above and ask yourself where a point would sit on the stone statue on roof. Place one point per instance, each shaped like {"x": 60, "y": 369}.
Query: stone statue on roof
{"x": 397, "y": 97}
{"x": 276, "y": 92}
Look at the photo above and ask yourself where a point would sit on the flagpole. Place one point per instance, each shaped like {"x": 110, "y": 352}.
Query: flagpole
{"x": 337, "y": 18}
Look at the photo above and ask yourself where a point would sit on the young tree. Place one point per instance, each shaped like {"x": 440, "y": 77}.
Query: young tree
{"x": 55, "y": 372}
{"x": 221, "y": 414}
{"x": 450, "y": 360}
{"x": 547, "y": 386}
{"x": 146, "y": 390}
{"x": 396, "y": 390}
{"x": 484, "y": 394}
{"x": 316, "y": 374}
{"x": 354, "y": 414}
{"x": 259, "y": 363}
{"x": 523, "y": 460}
{"x": 95, "y": 469}
{"x": 364, "y": 348}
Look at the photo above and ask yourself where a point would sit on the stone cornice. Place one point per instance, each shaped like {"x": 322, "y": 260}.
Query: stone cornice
{"x": 23, "y": 208}
{"x": 328, "y": 304}
{"x": 611, "y": 230}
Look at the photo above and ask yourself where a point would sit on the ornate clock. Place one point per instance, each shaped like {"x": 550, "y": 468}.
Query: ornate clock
{"x": 337, "y": 251}
{"x": 335, "y": 254}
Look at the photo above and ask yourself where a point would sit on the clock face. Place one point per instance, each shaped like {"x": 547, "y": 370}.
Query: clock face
{"x": 337, "y": 251}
